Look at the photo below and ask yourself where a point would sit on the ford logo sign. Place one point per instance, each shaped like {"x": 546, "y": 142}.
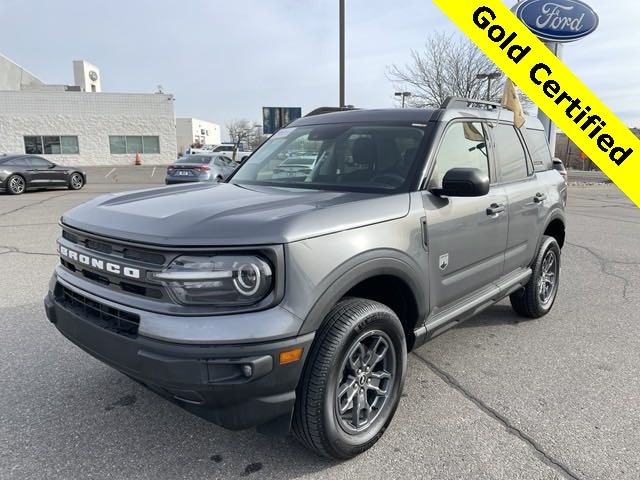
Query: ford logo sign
{"x": 558, "y": 20}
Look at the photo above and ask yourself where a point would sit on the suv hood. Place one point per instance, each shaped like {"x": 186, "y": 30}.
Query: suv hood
{"x": 226, "y": 214}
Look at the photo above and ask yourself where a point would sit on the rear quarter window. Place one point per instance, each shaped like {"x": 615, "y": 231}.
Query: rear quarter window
{"x": 538, "y": 149}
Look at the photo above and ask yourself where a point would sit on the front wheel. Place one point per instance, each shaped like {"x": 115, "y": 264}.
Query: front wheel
{"x": 539, "y": 294}
{"x": 353, "y": 379}
{"x": 76, "y": 182}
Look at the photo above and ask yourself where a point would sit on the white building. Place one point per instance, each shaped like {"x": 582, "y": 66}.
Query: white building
{"x": 81, "y": 125}
{"x": 191, "y": 131}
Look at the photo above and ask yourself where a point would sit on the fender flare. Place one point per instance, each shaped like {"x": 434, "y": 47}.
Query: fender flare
{"x": 364, "y": 266}
{"x": 555, "y": 214}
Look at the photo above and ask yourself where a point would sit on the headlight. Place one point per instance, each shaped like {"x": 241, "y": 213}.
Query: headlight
{"x": 219, "y": 280}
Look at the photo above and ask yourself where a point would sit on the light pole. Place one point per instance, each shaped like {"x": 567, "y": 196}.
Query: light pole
{"x": 341, "y": 16}
{"x": 489, "y": 77}
{"x": 403, "y": 95}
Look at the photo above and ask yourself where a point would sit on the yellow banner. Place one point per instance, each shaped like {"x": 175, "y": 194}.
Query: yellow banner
{"x": 552, "y": 86}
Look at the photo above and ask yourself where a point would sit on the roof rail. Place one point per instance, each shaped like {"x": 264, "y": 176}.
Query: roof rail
{"x": 322, "y": 110}
{"x": 460, "y": 102}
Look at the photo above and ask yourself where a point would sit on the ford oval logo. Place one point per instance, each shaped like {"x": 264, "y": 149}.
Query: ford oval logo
{"x": 558, "y": 20}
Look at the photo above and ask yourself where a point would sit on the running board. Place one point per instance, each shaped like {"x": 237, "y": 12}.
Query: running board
{"x": 471, "y": 305}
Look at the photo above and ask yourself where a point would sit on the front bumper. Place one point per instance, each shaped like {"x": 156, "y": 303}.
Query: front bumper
{"x": 235, "y": 386}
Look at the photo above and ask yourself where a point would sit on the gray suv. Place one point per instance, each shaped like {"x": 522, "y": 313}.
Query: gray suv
{"x": 289, "y": 302}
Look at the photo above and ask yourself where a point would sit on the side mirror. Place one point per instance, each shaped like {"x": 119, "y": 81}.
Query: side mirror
{"x": 52, "y": 165}
{"x": 463, "y": 182}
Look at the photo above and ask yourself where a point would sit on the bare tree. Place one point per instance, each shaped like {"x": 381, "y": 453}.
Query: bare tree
{"x": 448, "y": 66}
{"x": 245, "y": 131}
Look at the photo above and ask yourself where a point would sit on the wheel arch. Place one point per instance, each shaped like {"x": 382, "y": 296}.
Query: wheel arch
{"x": 555, "y": 227}
{"x": 24, "y": 176}
{"x": 388, "y": 279}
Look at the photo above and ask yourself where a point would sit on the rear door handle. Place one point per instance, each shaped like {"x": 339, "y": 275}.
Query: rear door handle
{"x": 540, "y": 197}
{"x": 495, "y": 209}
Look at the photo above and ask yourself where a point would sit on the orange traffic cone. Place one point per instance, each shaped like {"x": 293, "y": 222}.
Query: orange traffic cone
{"x": 138, "y": 161}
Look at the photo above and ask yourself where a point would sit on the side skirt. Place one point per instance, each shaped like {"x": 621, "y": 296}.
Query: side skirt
{"x": 470, "y": 305}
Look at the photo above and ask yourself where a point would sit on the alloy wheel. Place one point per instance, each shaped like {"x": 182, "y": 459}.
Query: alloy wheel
{"x": 366, "y": 381}
{"x": 548, "y": 282}
{"x": 76, "y": 181}
{"x": 17, "y": 185}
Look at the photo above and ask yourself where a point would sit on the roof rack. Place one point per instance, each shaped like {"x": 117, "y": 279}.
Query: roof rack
{"x": 321, "y": 110}
{"x": 460, "y": 102}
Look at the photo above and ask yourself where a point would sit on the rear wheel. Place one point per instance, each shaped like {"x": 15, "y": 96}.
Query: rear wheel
{"x": 16, "y": 185}
{"x": 76, "y": 182}
{"x": 352, "y": 381}
{"x": 539, "y": 294}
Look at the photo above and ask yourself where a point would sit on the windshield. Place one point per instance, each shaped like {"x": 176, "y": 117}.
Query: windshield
{"x": 335, "y": 157}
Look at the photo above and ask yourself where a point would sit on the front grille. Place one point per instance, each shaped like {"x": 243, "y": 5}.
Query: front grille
{"x": 109, "y": 318}
{"x": 119, "y": 253}
{"x": 98, "y": 246}
{"x": 69, "y": 236}
{"x": 141, "y": 256}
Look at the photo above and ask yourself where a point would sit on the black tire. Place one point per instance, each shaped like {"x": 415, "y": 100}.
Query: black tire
{"x": 350, "y": 325}
{"x": 16, "y": 185}
{"x": 76, "y": 181}
{"x": 533, "y": 301}
{"x": 219, "y": 179}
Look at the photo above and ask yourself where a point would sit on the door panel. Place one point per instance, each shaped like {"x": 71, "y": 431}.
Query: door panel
{"x": 43, "y": 174}
{"x": 466, "y": 237}
{"x": 525, "y": 195}
{"x": 526, "y": 218}
{"x": 38, "y": 175}
{"x": 462, "y": 234}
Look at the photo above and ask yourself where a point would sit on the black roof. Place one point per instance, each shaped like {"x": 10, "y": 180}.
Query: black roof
{"x": 408, "y": 115}
{"x": 12, "y": 156}
{"x": 453, "y": 107}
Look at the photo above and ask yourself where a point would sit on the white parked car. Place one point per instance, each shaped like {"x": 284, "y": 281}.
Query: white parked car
{"x": 228, "y": 150}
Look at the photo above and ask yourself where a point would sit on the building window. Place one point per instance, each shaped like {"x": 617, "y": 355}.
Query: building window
{"x": 151, "y": 144}
{"x": 69, "y": 145}
{"x": 51, "y": 145}
{"x": 120, "y": 144}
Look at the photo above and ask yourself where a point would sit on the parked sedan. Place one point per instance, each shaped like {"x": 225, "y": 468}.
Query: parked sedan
{"x": 21, "y": 172}
{"x": 200, "y": 168}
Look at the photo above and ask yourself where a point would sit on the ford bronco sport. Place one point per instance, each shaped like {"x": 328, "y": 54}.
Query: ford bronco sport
{"x": 291, "y": 301}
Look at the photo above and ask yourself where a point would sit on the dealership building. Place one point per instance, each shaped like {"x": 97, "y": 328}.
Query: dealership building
{"x": 80, "y": 124}
{"x": 192, "y": 131}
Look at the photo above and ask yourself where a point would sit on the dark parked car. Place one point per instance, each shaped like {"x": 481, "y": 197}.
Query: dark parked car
{"x": 200, "y": 168}
{"x": 21, "y": 172}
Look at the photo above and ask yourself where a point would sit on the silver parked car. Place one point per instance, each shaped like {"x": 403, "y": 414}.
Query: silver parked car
{"x": 200, "y": 168}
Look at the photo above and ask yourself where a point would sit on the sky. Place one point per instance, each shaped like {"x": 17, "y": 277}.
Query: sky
{"x": 226, "y": 59}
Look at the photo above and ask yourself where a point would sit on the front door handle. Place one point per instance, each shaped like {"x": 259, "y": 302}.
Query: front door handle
{"x": 540, "y": 197}
{"x": 495, "y": 209}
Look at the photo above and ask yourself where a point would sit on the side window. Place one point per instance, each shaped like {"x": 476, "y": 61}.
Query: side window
{"x": 539, "y": 149}
{"x": 18, "y": 162}
{"x": 510, "y": 154}
{"x": 37, "y": 162}
{"x": 464, "y": 145}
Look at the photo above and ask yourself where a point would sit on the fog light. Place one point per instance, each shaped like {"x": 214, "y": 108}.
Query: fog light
{"x": 290, "y": 356}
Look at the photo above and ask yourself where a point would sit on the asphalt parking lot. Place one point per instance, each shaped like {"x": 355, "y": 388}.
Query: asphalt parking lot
{"x": 497, "y": 398}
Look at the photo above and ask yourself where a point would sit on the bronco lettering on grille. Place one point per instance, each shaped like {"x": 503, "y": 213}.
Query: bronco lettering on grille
{"x": 98, "y": 264}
